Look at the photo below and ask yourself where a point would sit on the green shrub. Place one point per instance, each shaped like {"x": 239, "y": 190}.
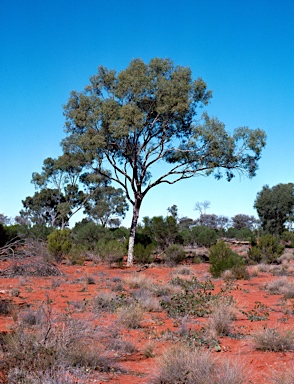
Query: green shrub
{"x": 266, "y": 251}
{"x": 175, "y": 254}
{"x": 143, "y": 254}
{"x": 112, "y": 251}
{"x": 288, "y": 237}
{"x": 59, "y": 243}
{"x": 221, "y": 258}
{"x": 207, "y": 237}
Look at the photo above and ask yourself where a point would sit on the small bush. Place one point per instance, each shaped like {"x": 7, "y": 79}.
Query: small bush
{"x": 59, "y": 243}
{"x": 175, "y": 254}
{"x": 240, "y": 272}
{"x": 220, "y": 320}
{"x": 143, "y": 255}
{"x": 281, "y": 287}
{"x": 108, "y": 302}
{"x": 131, "y": 316}
{"x": 272, "y": 339}
{"x": 266, "y": 251}
{"x": 207, "y": 237}
{"x": 221, "y": 258}
{"x": 111, "y": 252}
{"x": 180, "y": 365}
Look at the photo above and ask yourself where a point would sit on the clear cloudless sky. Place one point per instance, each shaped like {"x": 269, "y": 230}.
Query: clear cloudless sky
{"x": 244, "y": 50}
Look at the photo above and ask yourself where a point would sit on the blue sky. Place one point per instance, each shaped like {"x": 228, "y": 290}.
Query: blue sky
{"x": 243, "y": 50}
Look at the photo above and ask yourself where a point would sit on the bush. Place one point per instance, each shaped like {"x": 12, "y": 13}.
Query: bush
{"x": 88, "y": 233}
{"x": 59, "y": 243}
{"x": 207, "y": 237}
{"x": 143, "y": 254}
{"x": 221, "y": 319}
{"x": 180, "y": 365}
{"x": 266, "y": 251}
{"x": 175, "y": 254}
{"x": 272, "y": 339}
{"x": 131, "y": 316}
{"x": 112, "y": 251}
{"x": 221, "y": 258}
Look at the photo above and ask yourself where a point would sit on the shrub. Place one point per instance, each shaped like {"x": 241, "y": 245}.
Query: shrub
{"x": 143, "y": 255}
{"x": 131, "y": 316}
{"x": 240, "y": 272}
{"x": 221, "y": 258}
{"x": 207, "y": 237}
{"x": 180, "y": 365}
{"x": 59, "y": 243}
{"x": 272, "y": 339}
{"x": 266, "y": 251}
{"x": 112, "y": 251}
{"x": 221, "y": 319}
{"x": 281, "y": 287}
{"x": 175, "y": 254}
{"x": 108, "y": 302}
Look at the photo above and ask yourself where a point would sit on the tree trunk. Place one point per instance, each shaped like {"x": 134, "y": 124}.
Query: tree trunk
{"x": 136, "y": 211}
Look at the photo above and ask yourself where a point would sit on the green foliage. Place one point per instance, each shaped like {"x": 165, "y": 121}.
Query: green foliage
{"x": 175, "y": 254}
{"x": 146, "y": 114}
{"x": 111, "y": 251}
{"x": 107, "y": 205}
{"x": 164, "y": 231}
{"x": 288, "y": 237}
{"x": 266, "y": 251}
{"x": 221, "y": 258}
{"x": 8, "y": 233}
{"x": 258, "y": 313}
{"x": 207, "y": 237}
{"x": 88, "y": 234}
{"x": 196, "y": 299}
{"x": 59, "y": 243}
{"x": 275, "y": 207}
{"x": 37, "y": 231}
{"x": 143, "y": 254}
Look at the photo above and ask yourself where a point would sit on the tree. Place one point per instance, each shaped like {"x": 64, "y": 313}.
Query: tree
{"x": 5, "y": 220}
{"x": 165, "y": 231}
{"x": 202, "y": 207}
{"x": 67, "y": 174}
{"x": 208, "y": 220}
{"x": 275, "y": 207}
{"x": 243, "y": 221}
{"x": 144, "y": 116}
{"x": 42, "y": 209}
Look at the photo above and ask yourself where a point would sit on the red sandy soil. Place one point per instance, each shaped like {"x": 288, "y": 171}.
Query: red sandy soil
{"x": 71, "y": 287}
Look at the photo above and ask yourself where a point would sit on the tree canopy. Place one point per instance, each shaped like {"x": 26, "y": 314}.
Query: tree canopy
{"x": 275, "y": 207}
{"x": 134, "y": 120}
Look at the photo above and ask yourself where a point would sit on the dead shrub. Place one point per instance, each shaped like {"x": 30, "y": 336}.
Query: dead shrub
{"x": 281, "y": 287}
{"x": 148, "y": 349}
{"x": 181, "y": 365}
{"x": 220, "y": 320}
{"x": 273, "y": 339}
{"x": 109, "y": 302}
{"x": 136, "y": 281}
{"x": 131, "y": 316}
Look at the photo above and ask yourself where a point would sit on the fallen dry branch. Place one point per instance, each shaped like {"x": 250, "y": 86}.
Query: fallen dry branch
{"x": 9, "y": 249}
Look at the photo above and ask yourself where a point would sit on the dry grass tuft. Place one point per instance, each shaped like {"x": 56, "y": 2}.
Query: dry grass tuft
{"x": 273, "y": 339}
{"x": 182, "y": 365}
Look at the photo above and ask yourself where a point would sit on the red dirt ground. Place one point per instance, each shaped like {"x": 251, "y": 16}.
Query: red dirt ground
{"x": 71, "y": 287}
